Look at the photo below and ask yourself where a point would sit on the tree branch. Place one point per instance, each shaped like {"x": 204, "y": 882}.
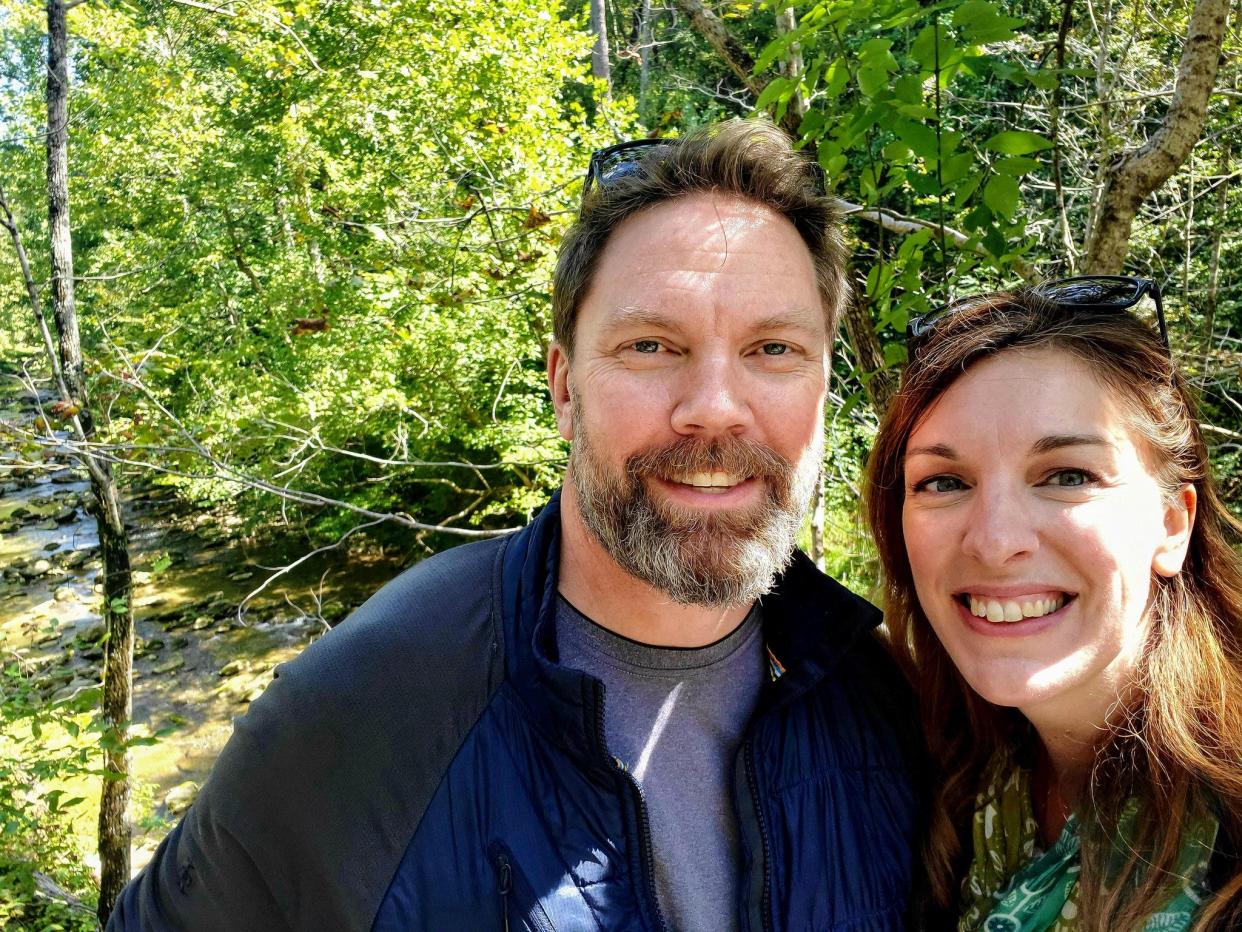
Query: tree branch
{"x": 1136, "y": 173}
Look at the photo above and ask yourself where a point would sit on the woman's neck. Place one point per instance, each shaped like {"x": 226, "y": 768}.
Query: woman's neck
{"x": 1056, "y": 788}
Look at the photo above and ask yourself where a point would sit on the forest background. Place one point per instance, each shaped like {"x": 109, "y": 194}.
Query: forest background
{"x": 274, "y": 305}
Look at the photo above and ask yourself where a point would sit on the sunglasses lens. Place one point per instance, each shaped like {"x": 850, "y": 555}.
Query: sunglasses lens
{"x": 613, "y": 165}
{"x": 1100, "y": 292}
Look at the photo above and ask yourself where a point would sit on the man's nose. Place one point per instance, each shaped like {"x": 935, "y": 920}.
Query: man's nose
{"x": 1001, "y": 528}
{"x": 712, "y": 399}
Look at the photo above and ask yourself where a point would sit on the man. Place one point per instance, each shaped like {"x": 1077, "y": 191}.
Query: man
{"x": 644, "y": 711}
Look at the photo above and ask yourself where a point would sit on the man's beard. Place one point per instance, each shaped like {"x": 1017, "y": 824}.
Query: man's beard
{"x": 697, "y": 557}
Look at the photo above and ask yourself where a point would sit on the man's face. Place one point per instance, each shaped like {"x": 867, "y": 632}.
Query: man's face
{"x": 694, "y": 401}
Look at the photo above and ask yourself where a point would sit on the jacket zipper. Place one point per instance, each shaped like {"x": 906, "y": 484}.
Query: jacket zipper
{"x": 765, "y": 900}
{"x": 644, "y": 820}
{"x": 510, "y": 879}
{"x": 506, "y": 886}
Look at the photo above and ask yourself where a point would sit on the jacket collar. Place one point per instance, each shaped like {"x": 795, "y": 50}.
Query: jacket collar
{"x": 809, "y": 620}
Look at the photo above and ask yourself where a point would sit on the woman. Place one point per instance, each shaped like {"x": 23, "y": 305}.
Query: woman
{"x": 1062, "y": 593}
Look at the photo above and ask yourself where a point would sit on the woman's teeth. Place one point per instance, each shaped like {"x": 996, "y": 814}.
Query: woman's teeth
{"x": 1014, "y": 609}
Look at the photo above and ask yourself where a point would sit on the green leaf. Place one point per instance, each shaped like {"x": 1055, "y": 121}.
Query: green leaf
{"x": 895, "y": 151}
{"x": 772, "y": 51}
{"x": 956, "y": 166}
{"x": 876, "y": 62}
{"x": 1046, "y": 79}
{"x": 909, "y": 88}
{"x": 835, "y": 78}
{"x": 811, "y": 124}
{"x": 1017, "y": 142}
{"x": 162, "y": 562}
{"x": 776, "y": 87}
{"x": 924, "y": 49}
{"x": 981, "y": 22}
{"x": 1002, "y": 195}
{"x": 118, "y": 606}
{"x": 1016, "y": 167}
{"x": 920, "y": 137}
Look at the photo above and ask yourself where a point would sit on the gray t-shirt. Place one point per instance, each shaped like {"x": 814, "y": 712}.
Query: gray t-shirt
{"x": 675, "y": 718}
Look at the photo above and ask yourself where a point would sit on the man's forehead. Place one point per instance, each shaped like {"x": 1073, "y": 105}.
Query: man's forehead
{"x": 705, "y": 219}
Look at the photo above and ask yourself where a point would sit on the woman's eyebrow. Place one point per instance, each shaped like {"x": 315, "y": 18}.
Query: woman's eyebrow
{"x": 1058, "y": 441}
{"x": 936, "y": 449}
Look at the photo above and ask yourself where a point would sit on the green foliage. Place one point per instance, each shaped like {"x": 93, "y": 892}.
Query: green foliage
{"x": 315, "y": 242}
{"x": 39, "y": 741}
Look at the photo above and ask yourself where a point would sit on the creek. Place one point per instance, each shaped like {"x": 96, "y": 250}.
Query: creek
{"x": 198, "y": 663}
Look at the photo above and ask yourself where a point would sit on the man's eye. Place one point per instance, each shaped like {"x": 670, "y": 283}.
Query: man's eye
{"x": 646, "y": 346}
{"x": 775, "y": 349}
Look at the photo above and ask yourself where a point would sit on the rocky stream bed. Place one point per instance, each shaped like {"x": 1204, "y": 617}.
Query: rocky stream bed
{"x": 197, "y": 664}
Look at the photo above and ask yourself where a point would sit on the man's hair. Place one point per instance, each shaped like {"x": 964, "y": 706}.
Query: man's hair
{"x": 748, "y": 158}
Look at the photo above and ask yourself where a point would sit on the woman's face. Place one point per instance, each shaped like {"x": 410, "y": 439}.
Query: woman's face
{"x": 1033, "y": 524}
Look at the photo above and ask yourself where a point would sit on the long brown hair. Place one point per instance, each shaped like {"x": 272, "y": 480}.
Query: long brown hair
{"x": 1175, "y": 746}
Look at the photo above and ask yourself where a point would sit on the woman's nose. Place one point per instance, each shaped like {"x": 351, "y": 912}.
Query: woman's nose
{"x": 1000, "y": 527}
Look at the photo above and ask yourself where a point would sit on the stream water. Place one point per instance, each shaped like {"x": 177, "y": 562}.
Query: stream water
{"x": 197, "y": 666}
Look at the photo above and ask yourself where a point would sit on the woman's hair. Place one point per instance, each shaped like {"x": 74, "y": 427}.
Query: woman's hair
{"x": 1175, "y": 745}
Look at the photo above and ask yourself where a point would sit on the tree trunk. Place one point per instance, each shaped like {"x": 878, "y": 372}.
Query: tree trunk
{"x": 599, "y": 51}
{"x": 1138, "y": 172}
{"x": 791, "y": 66}
{"x": 64, "y": 309}
{"x": 878, "y": 378}
{"x": 818, "y": 512}
{"x": 1213, "y": 292}
{"x": 645, "y": 42}
{"x": 114, "y": 828}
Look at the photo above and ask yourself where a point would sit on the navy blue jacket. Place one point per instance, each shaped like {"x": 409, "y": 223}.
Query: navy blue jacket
{"x": 428, "y": 765}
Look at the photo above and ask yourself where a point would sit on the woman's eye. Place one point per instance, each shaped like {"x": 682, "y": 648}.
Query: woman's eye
{"x": 775, "y": 349}
{"x": 646, "y": 346}
{"x": 940, "y": 484}
{"x": 1069, "y": 478}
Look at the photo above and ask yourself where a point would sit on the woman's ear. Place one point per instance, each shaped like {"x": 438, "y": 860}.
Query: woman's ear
{"x": 1179, "y": 521}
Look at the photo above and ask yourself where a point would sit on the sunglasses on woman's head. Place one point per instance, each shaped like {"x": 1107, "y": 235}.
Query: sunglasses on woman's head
{"x": 1083, "y": 292}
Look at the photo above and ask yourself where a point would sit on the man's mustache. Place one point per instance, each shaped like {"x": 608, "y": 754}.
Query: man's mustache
{"x": 736, "y": 456}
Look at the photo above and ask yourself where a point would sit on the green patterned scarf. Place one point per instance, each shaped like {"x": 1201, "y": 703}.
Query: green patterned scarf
{"x": 1012, "y": 886}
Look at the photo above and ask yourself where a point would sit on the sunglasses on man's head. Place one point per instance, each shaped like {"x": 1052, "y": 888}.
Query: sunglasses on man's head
{"x": 620, "y": 161}
{"x": 625, "y": 160}
{"x": 1083, "y": 293}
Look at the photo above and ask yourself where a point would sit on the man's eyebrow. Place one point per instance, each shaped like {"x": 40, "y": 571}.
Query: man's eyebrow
{"x": 640, "y": 317}
{"x": 799, "y": 317}
{"x": 1058, "y": 441}
{"x": 944, "y": 451}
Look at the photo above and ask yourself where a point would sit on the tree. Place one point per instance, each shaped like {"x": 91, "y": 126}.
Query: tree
{"x": 1136, "y": 173}
{"x": 114, "y": 829}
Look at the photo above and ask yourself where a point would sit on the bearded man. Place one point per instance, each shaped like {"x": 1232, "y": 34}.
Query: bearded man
{"x": 644, "y": 711}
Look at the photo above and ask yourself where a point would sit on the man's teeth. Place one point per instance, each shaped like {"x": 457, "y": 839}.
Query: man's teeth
{"x": 711, "y": 482}
{"x": 1014, "y": 609}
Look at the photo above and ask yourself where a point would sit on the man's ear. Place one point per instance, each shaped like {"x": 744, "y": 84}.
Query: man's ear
{"x": 1179, "y": 521}
{"x": 559, "y": 388}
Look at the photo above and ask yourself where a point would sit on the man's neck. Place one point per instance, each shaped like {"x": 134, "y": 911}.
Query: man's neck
{"x": 599, "y": 588}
